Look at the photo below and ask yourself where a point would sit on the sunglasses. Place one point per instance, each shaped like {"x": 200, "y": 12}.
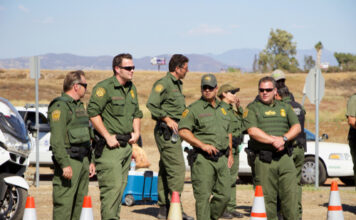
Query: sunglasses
{"x": 208, "y": 88}
{"x": 84, "y": 85}
{"x": 128, "y": 68}
{"x": 267, "y": 90}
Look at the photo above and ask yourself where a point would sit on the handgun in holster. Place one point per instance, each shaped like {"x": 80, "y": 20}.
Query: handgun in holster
{"x": 98, "y": 144}
{"x": 164, "y": 130}
{"x": 251, "y": 156}
{"x": 192, "y": 156}
{"x": 236, "y": 141}
{"x": 123, "y": 139}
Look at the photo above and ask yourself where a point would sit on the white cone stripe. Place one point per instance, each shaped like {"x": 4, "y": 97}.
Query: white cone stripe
{"x": 87, "y": 214}
{"x": 258, "y": 218}
{"x": 258, "y": 205}
{"x": 334, "y": 199}
{"x": 335, "y": 215}
{"x": 30, "y": 214}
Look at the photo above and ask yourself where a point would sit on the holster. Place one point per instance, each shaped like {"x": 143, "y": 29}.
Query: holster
{"x": 192, "y": 156}
{"x": 251, "y": 156}
{"x": 236, "y": 141}
{"x": 164, "y": 130}
{"x": 78, "y": 153}
{"x": 98, "y": 144}
{"x": 123, "y": 139}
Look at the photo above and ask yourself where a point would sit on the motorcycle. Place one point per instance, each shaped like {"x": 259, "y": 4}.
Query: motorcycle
{"x": 15, "y": 147}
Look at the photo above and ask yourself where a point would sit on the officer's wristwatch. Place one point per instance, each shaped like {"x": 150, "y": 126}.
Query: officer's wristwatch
{"x": 285, "y": 138}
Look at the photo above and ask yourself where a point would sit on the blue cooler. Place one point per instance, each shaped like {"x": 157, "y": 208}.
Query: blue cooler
{"x": 141, "y": 188}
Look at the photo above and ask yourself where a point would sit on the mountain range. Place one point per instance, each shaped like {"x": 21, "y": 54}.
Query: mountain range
{"x": 237, "y": 58}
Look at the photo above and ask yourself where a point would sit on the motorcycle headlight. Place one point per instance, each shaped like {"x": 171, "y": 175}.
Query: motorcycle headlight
{"x": 12, "y": 144}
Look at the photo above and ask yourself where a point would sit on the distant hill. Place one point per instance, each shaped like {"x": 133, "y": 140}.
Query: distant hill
{"x": 240, "y": 58}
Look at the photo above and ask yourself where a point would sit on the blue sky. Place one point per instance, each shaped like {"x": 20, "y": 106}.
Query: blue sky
{"x": 148, "y": 28}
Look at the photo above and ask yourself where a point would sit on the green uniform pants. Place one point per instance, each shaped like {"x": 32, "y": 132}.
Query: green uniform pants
{"x": 210, "y": 178}
{"x": 352, "y": 144}
{"x": 278, "y": 179}
{"x": 67, "y": 194}
{"x": 298, "y": 158}
{"x": 234, "y": 171}
{"x": 112, "y": 170}
{"x": 171, "y": 168}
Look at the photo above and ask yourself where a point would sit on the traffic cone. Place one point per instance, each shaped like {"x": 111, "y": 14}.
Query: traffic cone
{"x": 87, "y": 211}
{"x": 30, "y": 210}
{"x": 334, "y": 208}
{"x": 175, "y": 210}
{"x": 258, "y": 208}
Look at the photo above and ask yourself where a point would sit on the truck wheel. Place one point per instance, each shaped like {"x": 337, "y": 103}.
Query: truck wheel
{"x": 129, "y": 200}
{"x": 308, "y": 171}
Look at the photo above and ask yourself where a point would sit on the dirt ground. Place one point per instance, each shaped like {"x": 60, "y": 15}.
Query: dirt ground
{"x": 315, "y": 202}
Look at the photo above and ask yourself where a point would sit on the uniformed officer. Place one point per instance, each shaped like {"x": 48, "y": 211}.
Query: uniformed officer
{"x": 166, "y": 104}
{"x": 351, "y": 119}
{"x": 70, "y": 144}
{"x": 299, "y": 144}
{"x": 227, "y": 94}
{"x": 206, "y": 125}
{"x": 271, "y": 124}
{"x": 114, "y": 110}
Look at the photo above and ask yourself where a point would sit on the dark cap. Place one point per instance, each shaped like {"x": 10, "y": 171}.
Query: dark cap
{"x": 209, "y": 80}
{"x": 227, "y": 88}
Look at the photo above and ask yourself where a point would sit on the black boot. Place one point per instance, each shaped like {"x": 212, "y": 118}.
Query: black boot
{"x": 162, "y": 213}
{"x": 187, "y": 217}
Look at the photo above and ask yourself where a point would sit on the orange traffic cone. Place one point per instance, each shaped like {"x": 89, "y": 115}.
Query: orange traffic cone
{"x": 87, "y": 211}
{"x": 30, "y": 210}
{"x": 258, "y": 208}
{"x": 175, "y": 210}
{"x": 334, "y": 208}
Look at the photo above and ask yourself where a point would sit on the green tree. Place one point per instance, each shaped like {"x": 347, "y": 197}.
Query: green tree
{"x": 279, "y": 53}
{"x": 308, "y": 63}
{"x": 347, "y": 61}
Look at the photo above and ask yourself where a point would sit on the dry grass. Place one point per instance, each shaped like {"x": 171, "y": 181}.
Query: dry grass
{"x": 17, "y": 86}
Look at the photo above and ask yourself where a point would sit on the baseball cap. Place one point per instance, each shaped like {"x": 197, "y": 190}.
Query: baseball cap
{"x": 278, "y": 75}
{"x": 209, "y": 80}
{"x": 227, "y": 88}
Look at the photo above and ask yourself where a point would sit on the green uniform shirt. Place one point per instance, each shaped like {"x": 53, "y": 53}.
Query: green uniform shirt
{"x": 166, "y": 98}
{"x": 59, "y": 114}
{"x": 279, "y": 114}
{"x": 351, "y": 111}
{"x": 209, "y": 124}
{"x": 237, "y": 126}
{"x": 116, "y": 104}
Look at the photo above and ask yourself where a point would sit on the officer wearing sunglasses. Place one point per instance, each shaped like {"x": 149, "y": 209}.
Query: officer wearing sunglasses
{"x": 272, "y": 125}
{"x": 114, "y": 111}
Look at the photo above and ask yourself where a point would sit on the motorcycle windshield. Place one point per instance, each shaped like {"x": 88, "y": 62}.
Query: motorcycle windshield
{"x": 11, "y": 121}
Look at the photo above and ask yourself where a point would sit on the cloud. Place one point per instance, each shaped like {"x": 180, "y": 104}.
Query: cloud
{"x": 234, "y": 26}
{"x": 205, "y": 29}
{"x": 2, "y": 8}
{"x": 46, "y": 20}
{"x": 23, "y": 8}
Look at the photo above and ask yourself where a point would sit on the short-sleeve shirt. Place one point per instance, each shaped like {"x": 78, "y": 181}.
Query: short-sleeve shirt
{"x": 166, "y": 98}
{"x": 116, "y": 104}
{"x": 211, "y": 125}
{"x": 237, "y": 125}
{"x": 351, "y": 111}
{"x": 59, "y": 115}
{"x": 278, "y": 115}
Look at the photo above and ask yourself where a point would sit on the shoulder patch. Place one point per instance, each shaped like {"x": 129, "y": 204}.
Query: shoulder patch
{"x": 159, "y": 88}
{"x": 245, "y": 114}
{"x": 56, "y": 115}
{"x": 223, "y": 111}
{"x": 100, "y": 92}
{"x": 132, "y": 94}
{"x": 184, "y": 114}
